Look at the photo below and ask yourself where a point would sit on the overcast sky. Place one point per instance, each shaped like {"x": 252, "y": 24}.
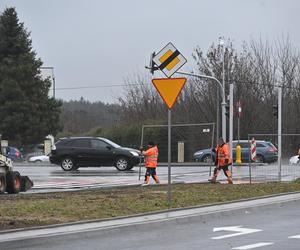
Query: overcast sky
{"x": 100, "y": 43}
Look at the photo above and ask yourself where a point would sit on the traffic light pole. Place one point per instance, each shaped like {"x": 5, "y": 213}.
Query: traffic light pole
{"x": 231, "y": 119}
{"x": 279, "y": 129}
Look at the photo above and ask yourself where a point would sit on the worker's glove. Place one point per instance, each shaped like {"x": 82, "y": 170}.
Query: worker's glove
{"x": 213, "y": 150}
{"x": 226, "y": 161}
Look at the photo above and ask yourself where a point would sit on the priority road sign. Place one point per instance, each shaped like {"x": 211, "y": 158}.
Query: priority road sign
{"x": 169, "y": 89}
{"x": 169, "y": 60}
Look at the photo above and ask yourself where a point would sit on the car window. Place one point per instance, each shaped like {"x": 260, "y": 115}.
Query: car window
{"x": 98, "y": 143}
{"x": 115, "y": 145}
{"x": 271, "y": 144}
{"x": 260, "y": 145}
{"x": 80, "y": 143}
{"x": 244, "y": 145}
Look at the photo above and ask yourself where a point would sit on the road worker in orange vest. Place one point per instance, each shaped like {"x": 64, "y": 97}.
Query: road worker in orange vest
{"x": 222, "y": 161}
{"x": 151, "y": 155}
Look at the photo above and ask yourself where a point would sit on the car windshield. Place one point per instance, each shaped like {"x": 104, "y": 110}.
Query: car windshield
{"x": 115, "y": 145}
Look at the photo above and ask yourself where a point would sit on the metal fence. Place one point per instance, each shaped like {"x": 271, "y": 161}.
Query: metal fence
{"x": 186, "y": 139}
{"x": 285, "y": 166}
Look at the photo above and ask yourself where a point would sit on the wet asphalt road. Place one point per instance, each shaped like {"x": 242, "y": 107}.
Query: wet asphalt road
{"x": 47, "y": 177}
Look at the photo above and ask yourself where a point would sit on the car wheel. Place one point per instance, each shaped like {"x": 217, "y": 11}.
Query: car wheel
{"x": 260, "y": 159}
{"x": 13, "y": 180}
{"x": 37, "y": 161}
{"x": 68, "y": 164}
{"x": 207, "y": 159}
{"x": 122, "y": 164}
{"x": 130, "y": 167}
{"x": 2, "y": 184}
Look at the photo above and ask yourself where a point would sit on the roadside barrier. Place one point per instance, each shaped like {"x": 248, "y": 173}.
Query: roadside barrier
{"x": 253, "y": 149}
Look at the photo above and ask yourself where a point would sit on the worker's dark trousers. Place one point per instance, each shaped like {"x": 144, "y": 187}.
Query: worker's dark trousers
{"x": 152, "y": 172}
{"x": 225, "y": 170}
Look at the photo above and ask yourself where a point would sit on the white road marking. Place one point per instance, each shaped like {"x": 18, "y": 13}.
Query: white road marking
{"x": 238, "y": 229}
{"x": 261, "y": 244}
{"x": 295, "y": 237}
{"x": 256, "y": 245}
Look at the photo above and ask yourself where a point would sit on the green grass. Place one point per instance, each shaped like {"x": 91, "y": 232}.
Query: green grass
{"x": 25, "y": 210}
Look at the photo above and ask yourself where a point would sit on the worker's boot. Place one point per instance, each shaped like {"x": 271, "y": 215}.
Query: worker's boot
{"x": 213, "y": 180}
{"x": 155, "y": 177}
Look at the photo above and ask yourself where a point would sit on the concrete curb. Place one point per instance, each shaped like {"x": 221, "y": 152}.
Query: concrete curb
{"x": 176, "y": 216}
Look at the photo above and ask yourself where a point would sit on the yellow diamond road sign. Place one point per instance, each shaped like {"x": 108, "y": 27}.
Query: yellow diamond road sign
{"x": 169, "y": 60}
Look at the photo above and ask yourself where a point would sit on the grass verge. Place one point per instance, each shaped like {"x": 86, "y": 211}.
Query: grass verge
{"x": 18, "y": 211}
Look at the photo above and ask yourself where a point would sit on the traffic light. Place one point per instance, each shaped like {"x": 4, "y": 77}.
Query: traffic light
{"x": 227, "y": 110}
{"x": 275, "y": 110}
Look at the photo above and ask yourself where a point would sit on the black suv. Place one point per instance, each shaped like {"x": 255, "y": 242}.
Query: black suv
{"x": 74, "y": 152}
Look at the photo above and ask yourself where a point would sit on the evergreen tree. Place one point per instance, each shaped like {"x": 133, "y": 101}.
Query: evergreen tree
{"x": 27, "y": 113}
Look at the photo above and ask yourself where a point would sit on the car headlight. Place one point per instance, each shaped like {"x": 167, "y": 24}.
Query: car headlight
{"x": 199, "y": 153}
{"x": 134, "y": 153}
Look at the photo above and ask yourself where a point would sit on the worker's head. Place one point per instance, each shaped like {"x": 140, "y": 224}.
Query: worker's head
{"x": 220, "y": 141}
{"x": 151, "y": 144}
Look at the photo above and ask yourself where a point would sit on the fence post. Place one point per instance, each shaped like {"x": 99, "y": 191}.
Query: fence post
{"x": 250, "y": 178}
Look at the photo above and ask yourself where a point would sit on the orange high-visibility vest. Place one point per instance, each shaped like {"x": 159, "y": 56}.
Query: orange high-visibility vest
{"x": 151, "y": 157}
{"x": 223, "y": 153}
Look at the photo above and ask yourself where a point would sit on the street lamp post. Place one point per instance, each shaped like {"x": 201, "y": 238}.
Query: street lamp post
{"x": 223, "y": 96}
{"x": 221, "y": 43}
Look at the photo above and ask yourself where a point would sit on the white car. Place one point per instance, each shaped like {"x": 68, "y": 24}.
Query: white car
{"x": 39, "y": 158}
{"x": 294, "y": 160}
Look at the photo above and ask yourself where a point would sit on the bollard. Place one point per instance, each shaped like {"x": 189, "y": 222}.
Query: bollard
{"x": 238, "y": 155}
{"x": 253, "y": 150}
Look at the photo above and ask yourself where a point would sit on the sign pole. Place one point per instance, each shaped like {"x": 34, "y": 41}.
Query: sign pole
{"x": 169, "y": 157}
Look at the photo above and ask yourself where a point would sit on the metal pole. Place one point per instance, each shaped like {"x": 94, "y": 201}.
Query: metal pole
{"x": 230, "y": 119}
{"x": 53, "y": 77}
{"x": 223, "y": 100}
{"x": 212, "y": 145}
{"x": 218, "y": 117}
{"x": 169, "y": 158}
{"x": 142, "y": 140}
{"x": 239, "y": 114}
{"x": 250, "y": 172}
{"x": 279, "y": 129}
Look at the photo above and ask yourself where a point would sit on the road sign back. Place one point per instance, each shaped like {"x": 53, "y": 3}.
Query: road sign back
{"x": 169, "y": 89}
{"x": 169, "y": 60}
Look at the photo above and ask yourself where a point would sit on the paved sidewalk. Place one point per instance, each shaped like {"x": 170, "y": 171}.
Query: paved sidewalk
{"x": 173, "y": 216}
